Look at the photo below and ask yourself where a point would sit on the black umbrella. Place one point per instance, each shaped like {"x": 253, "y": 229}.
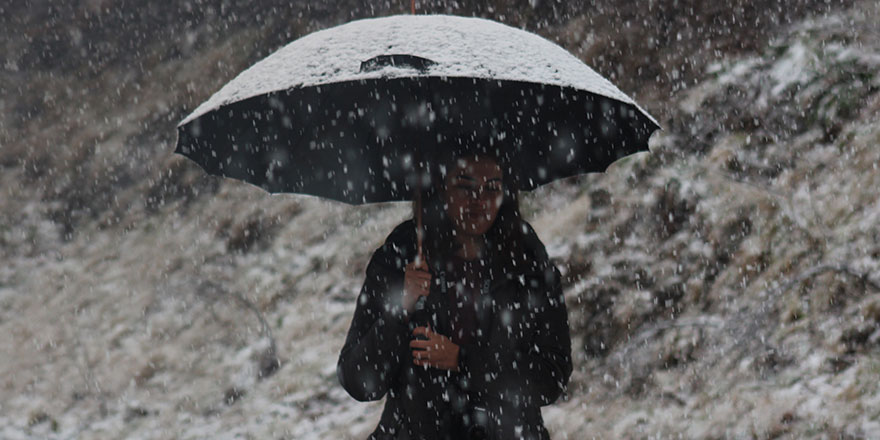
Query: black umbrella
{"x": 352, "y": 113}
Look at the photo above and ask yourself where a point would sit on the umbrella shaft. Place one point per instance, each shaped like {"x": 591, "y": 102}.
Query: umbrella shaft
{"x": 418, "y": 214}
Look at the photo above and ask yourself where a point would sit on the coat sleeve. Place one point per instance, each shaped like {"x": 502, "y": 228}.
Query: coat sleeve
{"x": 534, "y": 369}
{"x": 547, "y": 360}
{"x": 371, "y": 357}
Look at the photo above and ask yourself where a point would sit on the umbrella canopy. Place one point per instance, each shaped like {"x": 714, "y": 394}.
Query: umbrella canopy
{"x": 349, "y": 112}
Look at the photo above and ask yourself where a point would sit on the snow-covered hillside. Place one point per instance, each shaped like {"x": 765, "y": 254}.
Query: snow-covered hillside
{"x": 727, "y": 285}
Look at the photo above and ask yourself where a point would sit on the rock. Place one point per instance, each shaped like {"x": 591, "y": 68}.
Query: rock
{"x": 135, "y": 412}
{"x": 232, "y": 395}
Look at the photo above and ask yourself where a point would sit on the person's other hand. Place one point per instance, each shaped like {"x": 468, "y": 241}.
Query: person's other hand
{"x": 416, "y": 283}
{"x": 437, "y": 351}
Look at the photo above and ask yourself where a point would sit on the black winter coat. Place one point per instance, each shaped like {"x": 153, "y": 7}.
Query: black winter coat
{"x": 521, "y": 361}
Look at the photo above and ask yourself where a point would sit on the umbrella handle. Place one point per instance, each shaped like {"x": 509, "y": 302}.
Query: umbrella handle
{"x": 420, "y": 256}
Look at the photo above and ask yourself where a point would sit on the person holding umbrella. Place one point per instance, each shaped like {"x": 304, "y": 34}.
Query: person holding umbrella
{"x": 468, "y": 333}
{"x": 491, "y": 344}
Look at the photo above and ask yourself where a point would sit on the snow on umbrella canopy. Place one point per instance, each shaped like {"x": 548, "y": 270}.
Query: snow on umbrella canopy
{"x": 349, "y": 113}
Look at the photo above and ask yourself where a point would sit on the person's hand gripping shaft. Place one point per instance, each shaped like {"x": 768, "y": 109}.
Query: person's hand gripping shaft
{"x": 429, "y": 349}
{"x": 416, "y": 284}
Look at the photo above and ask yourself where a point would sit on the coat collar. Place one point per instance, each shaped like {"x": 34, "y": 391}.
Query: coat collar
{"x": 403, "y": 242}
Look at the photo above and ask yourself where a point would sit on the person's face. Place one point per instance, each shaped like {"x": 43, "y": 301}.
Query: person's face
{"x": 473, "y": 193}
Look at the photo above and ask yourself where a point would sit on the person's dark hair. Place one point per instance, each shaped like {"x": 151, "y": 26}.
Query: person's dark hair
{"x": 506, "y": 253}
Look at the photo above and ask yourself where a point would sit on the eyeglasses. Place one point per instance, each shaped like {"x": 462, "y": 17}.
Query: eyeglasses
{"x": 467, "y": 190}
